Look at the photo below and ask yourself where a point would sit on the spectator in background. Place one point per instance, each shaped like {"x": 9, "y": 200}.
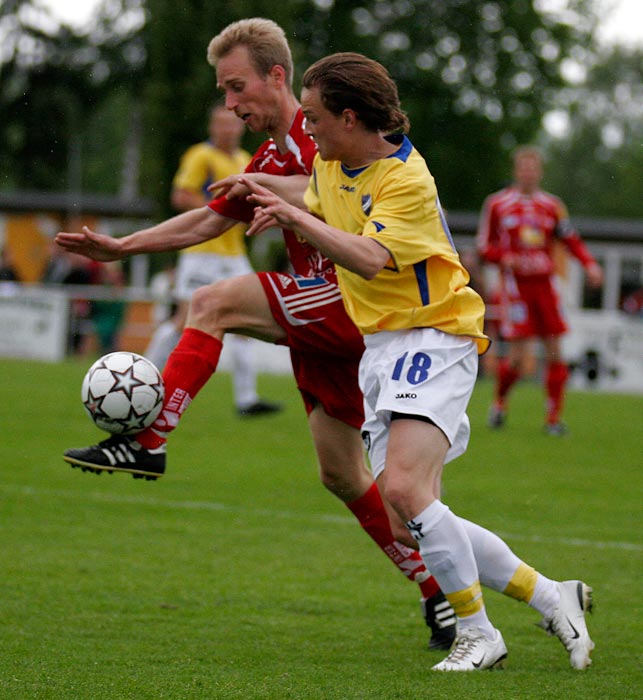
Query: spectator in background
{"x": 8, "y": 272}
{"x": 632, "y": 304}
{"x": 107, "y": 314}
{"x": 216, "y": 259}
{"x": 67, "y": 268}
{"x": 517, "y": 230}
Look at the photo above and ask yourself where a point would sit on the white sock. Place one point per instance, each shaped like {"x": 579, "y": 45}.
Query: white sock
{"x": 448, "y": 554}
{"x": 244, "y": 372}
{"x": 495, "y": 561}
{"x": 546, "y": 597}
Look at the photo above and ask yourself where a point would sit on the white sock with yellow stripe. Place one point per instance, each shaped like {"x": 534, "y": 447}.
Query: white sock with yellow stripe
{"x": 448, "y": 554}
{"x": 501, "y": 570}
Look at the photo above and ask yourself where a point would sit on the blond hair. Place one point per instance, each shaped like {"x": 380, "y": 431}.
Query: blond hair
{"x": 265, "y": 40}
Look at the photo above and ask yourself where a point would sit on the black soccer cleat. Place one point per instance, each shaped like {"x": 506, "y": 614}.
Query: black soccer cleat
{"x": 496, "y": 417}
{"x": 119, "y": 454}
{"x": 440, "y": 617}
{"x": 556, "y": 429}
{"x": 259, "y": 408}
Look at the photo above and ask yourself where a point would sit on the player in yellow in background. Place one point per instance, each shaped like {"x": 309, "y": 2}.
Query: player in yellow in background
{"x": 215, "y": 259}
{"x": 376, "y": 214}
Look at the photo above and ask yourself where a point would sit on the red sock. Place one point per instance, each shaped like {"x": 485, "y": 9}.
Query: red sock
{"x": 507, "y": 377}
{"x": 188, "y": 368}
{"x": 371, "y": 513}
{"x": 555, "y": 380}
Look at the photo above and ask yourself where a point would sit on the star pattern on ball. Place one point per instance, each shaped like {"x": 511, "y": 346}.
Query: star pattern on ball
{"x": 132, "y": 423}
{"x": 123, "y": 393}
{"x": 94, "y": 404}
{"x": 159, "y": 388}
{"x": 126, "y": 381}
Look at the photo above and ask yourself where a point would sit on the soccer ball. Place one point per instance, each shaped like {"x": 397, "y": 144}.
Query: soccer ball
{"x": 123, "y": 392}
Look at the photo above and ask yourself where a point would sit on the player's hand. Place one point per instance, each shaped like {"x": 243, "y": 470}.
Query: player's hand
{"x": 230, "y": 187}
{"x": 595, "y": 275}
{"x": 92, "y": 245}
{"x": 271, "y": 210}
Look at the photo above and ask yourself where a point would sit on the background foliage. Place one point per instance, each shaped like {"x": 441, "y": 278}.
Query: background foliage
{"x": 111, "y": 108}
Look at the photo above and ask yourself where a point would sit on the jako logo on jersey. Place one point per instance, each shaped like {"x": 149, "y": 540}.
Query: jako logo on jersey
{"x": 366, "y": 439}
{"x": 347, "y": 188}
{"x": 367, "y": 203}
{"x": 407, "y": 395}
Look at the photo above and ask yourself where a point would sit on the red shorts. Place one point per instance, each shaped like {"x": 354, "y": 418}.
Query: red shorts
{"x": 325, "y": 346}
{"x": 534, "y": 310}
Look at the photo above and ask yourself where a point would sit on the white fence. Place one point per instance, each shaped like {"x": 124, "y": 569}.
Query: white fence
{"x": 35, "y": 321}
{"x": 604, "y": 347}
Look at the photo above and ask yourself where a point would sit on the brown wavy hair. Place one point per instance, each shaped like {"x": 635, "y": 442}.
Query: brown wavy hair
{"x": 353, "y": 81}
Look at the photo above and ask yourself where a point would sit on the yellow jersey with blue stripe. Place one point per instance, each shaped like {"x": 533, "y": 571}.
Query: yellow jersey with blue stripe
{"x": 394, "y": 201}
{"x": 200, "y": 166}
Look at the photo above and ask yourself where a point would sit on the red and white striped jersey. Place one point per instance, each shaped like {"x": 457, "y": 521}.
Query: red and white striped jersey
{"x": 521, "y": 228}
{"x": 298, "y": 160}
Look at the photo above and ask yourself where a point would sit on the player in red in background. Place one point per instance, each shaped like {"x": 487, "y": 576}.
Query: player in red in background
{"x": 517, "y": 230}
{"x": 304, "y": 310}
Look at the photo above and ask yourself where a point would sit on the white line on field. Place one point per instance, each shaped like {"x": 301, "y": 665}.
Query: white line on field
{"x": 322, "y": 517}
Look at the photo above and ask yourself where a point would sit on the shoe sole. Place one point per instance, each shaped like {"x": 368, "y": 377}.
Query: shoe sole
{"x": 586, "y": 600}
{"x": 586, "y": 597}
{"x": 98, "y": 469}
{"x": 498, "y": 665}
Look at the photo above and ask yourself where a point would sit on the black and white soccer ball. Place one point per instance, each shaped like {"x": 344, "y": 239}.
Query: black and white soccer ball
{"x": 123, "y": 392}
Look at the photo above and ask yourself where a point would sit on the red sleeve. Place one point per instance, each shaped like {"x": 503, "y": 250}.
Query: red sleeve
{"x": 488, "y": 241}
{"x": 237, "y": 209}
{"x": 578, "y": 249}
{"x": 569, "y": 236}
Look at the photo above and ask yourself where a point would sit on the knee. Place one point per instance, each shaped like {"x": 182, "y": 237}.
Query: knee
{"x": 398, "y": 492}
{"x": 348, "y": 480}
{"x": 208, "y": 305}
{"x": 329, "y": 480}
{"x": 334, "y": 481}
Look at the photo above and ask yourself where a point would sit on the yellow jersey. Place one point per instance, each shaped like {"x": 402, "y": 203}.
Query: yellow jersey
{"x": 200, "y": 166}
{"x": 394, "y": 201}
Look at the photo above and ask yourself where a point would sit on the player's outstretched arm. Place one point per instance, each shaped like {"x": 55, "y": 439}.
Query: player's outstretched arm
{"x": 180, "y": 231}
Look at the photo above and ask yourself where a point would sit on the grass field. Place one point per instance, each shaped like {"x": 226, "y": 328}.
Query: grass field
{"x": 238, "y": 576}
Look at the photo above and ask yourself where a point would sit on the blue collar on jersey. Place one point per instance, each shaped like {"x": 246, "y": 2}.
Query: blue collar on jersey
{"x": 402, "y": 153}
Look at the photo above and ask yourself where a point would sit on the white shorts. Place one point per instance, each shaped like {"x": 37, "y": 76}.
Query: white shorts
{"x": 195, "y": 270}
{"x": 421, "y": 372}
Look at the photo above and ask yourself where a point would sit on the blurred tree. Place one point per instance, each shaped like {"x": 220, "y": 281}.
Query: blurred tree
{"x": 88, "y": 108}
{"x": 476, "y": 78}
{"x": 55, "y": 82}
{"x": 597, "y": 164}
{"x": 181, "y": 84}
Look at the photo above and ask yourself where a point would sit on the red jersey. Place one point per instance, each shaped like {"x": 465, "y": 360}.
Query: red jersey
{"x": 523, "y": 227}
{"x": 298, "y": 160}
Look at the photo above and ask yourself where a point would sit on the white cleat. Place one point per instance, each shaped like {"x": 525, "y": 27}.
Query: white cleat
{"x": 472, "y": 651}
{"x": 568, "y": 622}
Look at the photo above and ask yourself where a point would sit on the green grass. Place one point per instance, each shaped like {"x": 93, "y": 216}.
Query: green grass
{"x": 238, "y": 576}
